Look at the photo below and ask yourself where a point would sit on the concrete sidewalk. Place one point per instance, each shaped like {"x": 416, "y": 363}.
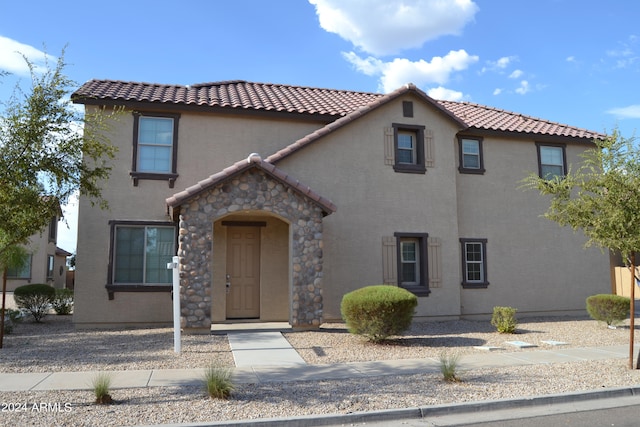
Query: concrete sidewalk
{"x": 264, "y": 358}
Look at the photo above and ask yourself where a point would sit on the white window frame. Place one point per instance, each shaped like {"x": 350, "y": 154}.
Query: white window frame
{"x": 466, "y": 244}
{"x": 562, "y": 164}
{"x": 142, "y": 145}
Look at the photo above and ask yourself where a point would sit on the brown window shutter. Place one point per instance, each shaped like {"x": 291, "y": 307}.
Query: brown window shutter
{"x": 429, "y": 149}
{"x": 389, "y": 158}
{"x": 435, "y": 262}
{"x": 389, "y": 261}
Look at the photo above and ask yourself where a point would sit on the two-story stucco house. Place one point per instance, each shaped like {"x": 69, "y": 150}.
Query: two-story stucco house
{"x": 46, "y": 263}
{"x": 280, "y": 199}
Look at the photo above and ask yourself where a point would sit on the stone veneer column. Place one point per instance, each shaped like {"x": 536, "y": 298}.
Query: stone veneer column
{"x": 253, "y": 190}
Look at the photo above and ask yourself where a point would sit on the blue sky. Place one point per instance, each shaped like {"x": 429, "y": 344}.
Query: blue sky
{"x": 569, "y": 61}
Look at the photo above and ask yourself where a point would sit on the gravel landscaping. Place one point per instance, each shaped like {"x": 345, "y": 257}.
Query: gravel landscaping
{"x": 55, "y": 346}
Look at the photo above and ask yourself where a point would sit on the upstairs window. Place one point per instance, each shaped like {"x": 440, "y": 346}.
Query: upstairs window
{"x": 53, "y": 229}
{"x": 551, "y": 160}
{"x": 409, "y": 148}
{"x": 470, "y": 156}
{"x": 155, "y": 141}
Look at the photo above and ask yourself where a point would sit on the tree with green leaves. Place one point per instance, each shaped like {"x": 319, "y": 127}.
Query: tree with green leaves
{"x": 49, "y": 151}
{"x": 602, "y": 198}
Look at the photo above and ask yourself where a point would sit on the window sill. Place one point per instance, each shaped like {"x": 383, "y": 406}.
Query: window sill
{"x": 420, "y": 169}
{"x": 475, "y": 285}
{"x": 170, "y": 177}
{"x": 471, "y": 171}
{"x": 419, "y": 291}
{"x": 112, "y": 289}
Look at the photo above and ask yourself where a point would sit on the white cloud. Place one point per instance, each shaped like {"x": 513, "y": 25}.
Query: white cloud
{"x": 445, "y": 94}
{"x": 12, "y": 60}
{"x": 571, "y": 59}
{"x": 400, "y": 71}
{"x": 523, "y": 88}
{"x": 516, "y": 74}
{"x": 497, "y": 91}
{"x": 629, "y": 112}
{"x": 498, "y": 65}
{"x": 385, "y": 27}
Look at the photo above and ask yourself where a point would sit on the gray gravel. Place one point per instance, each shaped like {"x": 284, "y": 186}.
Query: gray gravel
{"x": 54, "y": 346}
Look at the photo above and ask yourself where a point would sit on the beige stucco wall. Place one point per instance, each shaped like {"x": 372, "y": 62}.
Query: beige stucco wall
{"x": 374, "y": 201}
{"x": 206, "y": 145}
{"x": 534, "y": 264}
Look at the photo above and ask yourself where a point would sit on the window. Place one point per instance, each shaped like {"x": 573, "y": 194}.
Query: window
{"x": 155, "y": 141}
{"x": 21, "y": 273}
{"x": 53, "y": 229}
{"x": 141, "y": 253}
{"x": 551, "y": 160}
{"x": 50, "y": 264}
{"x": 470, "y": 156}
{"x": 409, "y": 148}
{"x": 474, "y": 263}
{"x": 412, "y": 262}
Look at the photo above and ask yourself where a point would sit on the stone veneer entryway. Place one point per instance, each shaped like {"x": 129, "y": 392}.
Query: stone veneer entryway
{"x": 253, "y": 190}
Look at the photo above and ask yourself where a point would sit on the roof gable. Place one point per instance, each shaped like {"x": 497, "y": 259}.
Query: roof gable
{"x": 253, "y": 161}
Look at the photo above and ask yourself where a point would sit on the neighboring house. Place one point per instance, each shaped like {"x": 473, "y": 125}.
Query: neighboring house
{"x": 46, "y": 263}
{"x": 280, "y": 199}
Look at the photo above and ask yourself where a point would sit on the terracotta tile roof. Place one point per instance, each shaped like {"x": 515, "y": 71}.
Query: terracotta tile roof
{"x": 488, "y": 118}
{"x": 330, "y": 103}
{"x": 253, "y": 161}
{"x": 230, "y": 94}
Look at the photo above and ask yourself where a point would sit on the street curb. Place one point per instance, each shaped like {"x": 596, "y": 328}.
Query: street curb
{"x": 426, "y": 411}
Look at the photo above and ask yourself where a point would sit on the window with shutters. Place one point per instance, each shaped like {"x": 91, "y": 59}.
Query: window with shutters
{"x": 408, "y": 142}
{"x": 412, "y": 262}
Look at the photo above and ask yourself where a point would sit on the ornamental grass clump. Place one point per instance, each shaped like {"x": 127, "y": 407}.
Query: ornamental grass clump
{"x": 449, "y": 366}
{"x": 504, "y": 319}
{"x": 218, "y": 383}
{"x": 101, "y": 385}
{"x": 612, "y": 309}
{"x": 35, "y": 299}
{"x": 378, "y": 312}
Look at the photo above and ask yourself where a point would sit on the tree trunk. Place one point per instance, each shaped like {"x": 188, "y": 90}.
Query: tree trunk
{"x": 2, "y": 311}
{"x": 632, "y": 309}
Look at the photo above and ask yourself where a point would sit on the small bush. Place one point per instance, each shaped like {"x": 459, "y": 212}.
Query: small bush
{"x": 608, "y": 308}
{"x": 218, "y": 383}
{"x": 63, "y": 301}
{"x": 101, "y": 384}
{"x": 504, "y": 319}
{"x": 35, "y": 299}
{"x": 11, "y": 318}
{"x": 449, "y": 366}
{"x": 378, "y": 312}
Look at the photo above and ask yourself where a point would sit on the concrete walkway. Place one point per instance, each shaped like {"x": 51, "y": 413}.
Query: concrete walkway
{"x": 266, "y": 356}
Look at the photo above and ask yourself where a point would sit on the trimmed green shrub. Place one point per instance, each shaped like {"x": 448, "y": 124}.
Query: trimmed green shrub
{"x": 378, "y": 312}
{"x": 608, "y": 308}
{"x": 504, "y": 319}
{"x": 35, "y": 299}
{"x": 63, "y": 301}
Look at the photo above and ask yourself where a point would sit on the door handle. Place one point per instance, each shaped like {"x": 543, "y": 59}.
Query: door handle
{"x": 228, "y": 283}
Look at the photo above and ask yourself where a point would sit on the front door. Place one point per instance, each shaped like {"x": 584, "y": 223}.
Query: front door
{"x": 243, "y": 272}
